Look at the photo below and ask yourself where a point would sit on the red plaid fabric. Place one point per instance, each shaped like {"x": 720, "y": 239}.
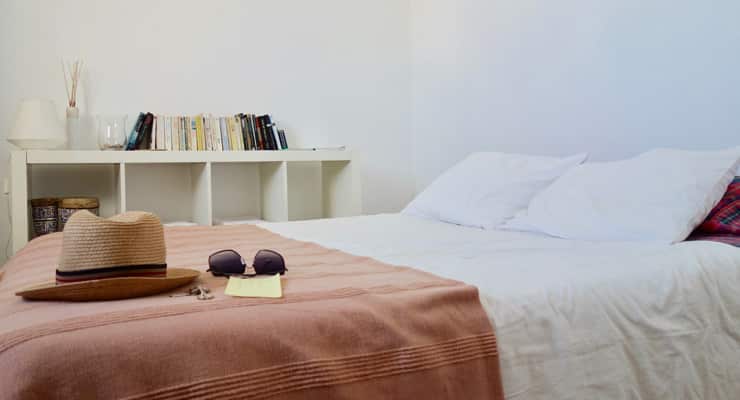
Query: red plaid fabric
{"x": 723, "y": 222}
{"x": 733, "y": 240}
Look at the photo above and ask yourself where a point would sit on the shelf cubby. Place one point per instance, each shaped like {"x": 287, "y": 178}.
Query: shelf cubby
{"x": 101, "y": 181}
{"x": 239, "y": 189}
{"x": 175, "y": 192}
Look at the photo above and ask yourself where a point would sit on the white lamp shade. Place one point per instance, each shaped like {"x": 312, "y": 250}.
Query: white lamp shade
{"x": 37, "y": 126}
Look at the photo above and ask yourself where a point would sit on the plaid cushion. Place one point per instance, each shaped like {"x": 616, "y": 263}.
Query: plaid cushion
{"x": 725, "y": 217}
{"x": 723, "y": 222}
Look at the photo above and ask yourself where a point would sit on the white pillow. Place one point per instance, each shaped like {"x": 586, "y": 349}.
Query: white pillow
{"x": 661, "y": 195}
{"x": 485, "y": 189}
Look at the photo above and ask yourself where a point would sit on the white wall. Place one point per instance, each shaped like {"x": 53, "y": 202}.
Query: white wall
{"x": 612, "y": 77}
{"x": 332, "y": 72}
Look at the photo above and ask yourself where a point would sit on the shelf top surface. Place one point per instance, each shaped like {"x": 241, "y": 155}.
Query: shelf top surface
{"x": 157, "y": 157}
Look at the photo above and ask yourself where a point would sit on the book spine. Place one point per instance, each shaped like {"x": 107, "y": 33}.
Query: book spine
{"x": 260, "y": 135}
{"x": 160, "y": 145}
{"x": 207, "y": 132}
{"x": 268, "y": 132}
{"x": 193, "y": 134}
{"x": 211, "y": 133}
{"x": 161, "y": 133}
{"x": 200, "y": 140}
{"x": 253, "y": 131}
{"x": 238, "y": 133}
{"x": 153, "y": 137}
{"x": 250, "y": 131}
{"x": 217, "y": 134}
{"x": 176, "y": 133}
{"x": 283, "y": 139}
{"x": 245, "y": 132}
{"x": 232, "y": 133}
{"x": 144, "y": 137}
{"x": 224, "y": 134}
{"x": 275, "y": 135}
{"x": 131, "y": 142}
{"x": 168, "y": 132}
{"x": 161, "y": 128}
{"x": 183, "y": 134}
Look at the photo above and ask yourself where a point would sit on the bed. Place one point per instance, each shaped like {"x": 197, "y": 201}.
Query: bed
{"x": 577, "y": 320}
{"x": 573, "y": 320}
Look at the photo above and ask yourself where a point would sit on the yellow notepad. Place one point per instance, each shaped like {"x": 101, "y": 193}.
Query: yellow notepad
{"x": 255, "y": 287}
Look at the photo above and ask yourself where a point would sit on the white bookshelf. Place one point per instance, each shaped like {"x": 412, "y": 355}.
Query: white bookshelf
{"x": 198, "y": 186}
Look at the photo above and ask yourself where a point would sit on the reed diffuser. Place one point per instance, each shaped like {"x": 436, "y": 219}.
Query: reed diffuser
{"x": 75, "y": 135}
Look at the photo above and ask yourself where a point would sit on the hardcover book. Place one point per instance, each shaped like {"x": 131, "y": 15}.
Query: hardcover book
{"x": 283, "y": 139}
{"x": 135, "y": 130}
{"x": 144, "y": 138}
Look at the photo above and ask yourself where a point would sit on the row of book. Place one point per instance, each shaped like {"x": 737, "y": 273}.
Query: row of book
{"x": 205, "y": 132}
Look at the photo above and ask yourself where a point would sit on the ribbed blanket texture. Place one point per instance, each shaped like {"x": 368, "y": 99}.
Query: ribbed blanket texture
{"x": 348, "y": 327}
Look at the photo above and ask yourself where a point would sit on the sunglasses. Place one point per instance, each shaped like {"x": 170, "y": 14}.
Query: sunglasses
{"x": 229, "y": 262}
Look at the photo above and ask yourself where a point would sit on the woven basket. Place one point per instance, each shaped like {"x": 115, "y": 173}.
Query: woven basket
{"x": 70, "y": 205}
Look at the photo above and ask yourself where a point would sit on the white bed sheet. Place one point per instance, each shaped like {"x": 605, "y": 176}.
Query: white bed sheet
{"x": 576, "y": 320}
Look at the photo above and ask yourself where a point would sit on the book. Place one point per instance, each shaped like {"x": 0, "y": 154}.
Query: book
{"x": 144, "y": 137}
{"x": 250, "y": 131}
{"x": 238, "y": 132}
{"x": 216, "y": 132}
{"x": 283, "y": 139}
{"x": 184, "y": 133}
{"x": 200, "y": 139}
{"x": 224, "y": 134}
{"x": 156, "y": 133}
{"x": 249, "y": 145}
{"x": 267, "y": 129}
{"x": 193, "y": 134}
{"x": 270, "y": 133}
{"x": 161, "y": 132}
{"x": 153, "y": 137}
{"x": 253, "y": 124}
{"x": 168, "y": 133}
{"x": 274, "y": 132}
{"x": 175, "y": 134}
{"x": 132, "y": 137}
{"x": 212, "y": 133}
{"x": 207, "y": 132}
{"x": 260, "y": 135}
{"x": 233, "y": 138}
{"x": 242, "y": 129}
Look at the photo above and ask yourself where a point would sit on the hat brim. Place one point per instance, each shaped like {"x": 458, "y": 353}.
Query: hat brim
{"x": 110, "y": 289}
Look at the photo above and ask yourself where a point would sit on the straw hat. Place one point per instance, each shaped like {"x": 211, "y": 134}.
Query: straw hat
{"x": 116, "y": 258}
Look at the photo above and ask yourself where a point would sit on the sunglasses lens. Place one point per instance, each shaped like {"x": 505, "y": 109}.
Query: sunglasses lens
{"x": 269, "y": 262}
{"x": 226, "y": 262}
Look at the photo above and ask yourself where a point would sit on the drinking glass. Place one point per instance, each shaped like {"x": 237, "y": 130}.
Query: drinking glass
{"x": 111, "y": 132}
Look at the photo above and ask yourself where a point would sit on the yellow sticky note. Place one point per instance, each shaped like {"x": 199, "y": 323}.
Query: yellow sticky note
{"x": 255, "y": 287}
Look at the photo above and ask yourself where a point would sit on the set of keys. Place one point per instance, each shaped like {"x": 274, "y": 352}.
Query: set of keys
{"x": 201, "y": 291}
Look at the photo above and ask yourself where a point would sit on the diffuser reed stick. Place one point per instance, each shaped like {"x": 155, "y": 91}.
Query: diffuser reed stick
{"x": 71, "y": 74}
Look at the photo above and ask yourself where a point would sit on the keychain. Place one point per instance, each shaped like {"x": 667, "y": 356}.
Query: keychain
{"x": 202, "y": 293}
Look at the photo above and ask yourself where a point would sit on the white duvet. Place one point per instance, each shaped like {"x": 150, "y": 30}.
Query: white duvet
{"x": 576, "y": 320}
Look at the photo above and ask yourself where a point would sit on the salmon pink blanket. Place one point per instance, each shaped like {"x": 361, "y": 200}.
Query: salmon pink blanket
{"x": 347, "y": 327}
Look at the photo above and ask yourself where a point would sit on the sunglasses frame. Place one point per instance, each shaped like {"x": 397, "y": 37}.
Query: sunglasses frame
{"x": 272, "y": 253}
